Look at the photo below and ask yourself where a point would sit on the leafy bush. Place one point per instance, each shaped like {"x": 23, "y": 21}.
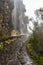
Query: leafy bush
{"x": 35, "y": 49}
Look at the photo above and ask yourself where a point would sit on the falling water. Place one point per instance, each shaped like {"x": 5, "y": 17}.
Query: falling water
{"x": 19, "y": 24}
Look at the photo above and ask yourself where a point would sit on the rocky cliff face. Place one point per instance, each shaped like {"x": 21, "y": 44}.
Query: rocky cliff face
{"x": 6, "y": 7}
{"x": 12, "y": 54}
{"x": 15, "y": 54}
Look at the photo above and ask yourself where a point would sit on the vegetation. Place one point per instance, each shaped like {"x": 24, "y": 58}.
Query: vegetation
{"x": 35, "y": 50}
{"x": 35, "y": 41}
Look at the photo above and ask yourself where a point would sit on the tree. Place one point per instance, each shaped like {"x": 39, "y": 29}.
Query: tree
{"x": 38, "y": 32}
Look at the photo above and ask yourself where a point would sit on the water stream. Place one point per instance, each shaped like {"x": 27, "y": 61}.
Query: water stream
{"x": 22, "y": 56}
{"x": 20, "y": 24}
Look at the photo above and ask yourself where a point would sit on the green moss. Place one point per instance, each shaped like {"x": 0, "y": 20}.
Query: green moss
{"x": 1, "y": 45}
{"x": 7, "y": 42}
{"x": 37, "y": 58}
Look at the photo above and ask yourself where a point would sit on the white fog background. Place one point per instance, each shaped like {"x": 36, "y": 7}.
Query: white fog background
{"x": 31, "y": 6}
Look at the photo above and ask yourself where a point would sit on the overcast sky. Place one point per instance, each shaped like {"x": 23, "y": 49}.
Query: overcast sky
{"x": 32, "y": 5}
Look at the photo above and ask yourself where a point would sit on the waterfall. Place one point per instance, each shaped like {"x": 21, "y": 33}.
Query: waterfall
{"x": 19, "y": 21}
{"x": 18, "y": 17}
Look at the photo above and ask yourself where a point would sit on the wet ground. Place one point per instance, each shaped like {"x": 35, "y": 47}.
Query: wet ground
{"x": 15, "y": 54}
